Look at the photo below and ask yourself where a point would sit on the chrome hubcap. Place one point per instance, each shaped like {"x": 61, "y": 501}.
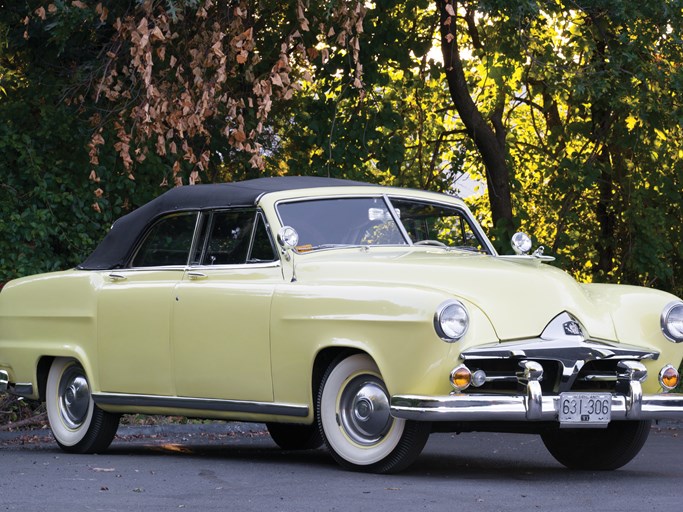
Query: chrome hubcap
{"x": 364, "y": 410}
{"x": 74, "y": 397}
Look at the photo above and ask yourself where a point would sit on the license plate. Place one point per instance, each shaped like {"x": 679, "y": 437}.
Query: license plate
{"x": 585, "y": 409}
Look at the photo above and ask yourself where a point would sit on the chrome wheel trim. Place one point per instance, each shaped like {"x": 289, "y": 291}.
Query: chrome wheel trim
{"x": 68, "y": 424}
{"x": 74, "y": 397}
{"x": 364, "y": 410}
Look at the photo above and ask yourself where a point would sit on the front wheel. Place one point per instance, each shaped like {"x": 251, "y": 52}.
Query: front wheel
{"x": 79, "y": 426}
{"x": 598, "y": 449}
{"x": 355, "y": 420}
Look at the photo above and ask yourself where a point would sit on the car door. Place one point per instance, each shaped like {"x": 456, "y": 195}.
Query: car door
{"x": 134, "y": 311}
{"x": 221, "y": 312}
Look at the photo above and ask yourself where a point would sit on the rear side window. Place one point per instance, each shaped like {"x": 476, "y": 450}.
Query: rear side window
{"x": 168, "y": 242}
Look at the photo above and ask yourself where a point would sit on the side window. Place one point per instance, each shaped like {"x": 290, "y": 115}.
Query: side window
{"x": 441, "y": 223}
{"x": 229, "y": 238}
{"x": 168, "y": 242}
{"x": 234, "y": 237}
{"x": 262, "y": 248}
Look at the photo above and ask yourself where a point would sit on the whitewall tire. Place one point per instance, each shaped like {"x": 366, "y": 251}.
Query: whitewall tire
{"x": 355, "y": 420}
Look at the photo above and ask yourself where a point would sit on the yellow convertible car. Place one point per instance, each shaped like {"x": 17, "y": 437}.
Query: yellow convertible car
{"x": 358, "y": 316}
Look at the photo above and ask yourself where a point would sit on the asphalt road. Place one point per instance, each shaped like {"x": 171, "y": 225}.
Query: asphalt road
{"x": 237, "y": 467}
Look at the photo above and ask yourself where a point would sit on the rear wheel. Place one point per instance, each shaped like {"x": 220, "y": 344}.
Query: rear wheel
{"x": 355, "y": 420}
{"x": 79, "y": 426}
{"x": 598, "y": 449}
{"x": 295, "y": 437}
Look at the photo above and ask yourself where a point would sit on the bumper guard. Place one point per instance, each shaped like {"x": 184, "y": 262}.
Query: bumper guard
{"x": 530, "y": 407}
{"x": 4, "y": 381}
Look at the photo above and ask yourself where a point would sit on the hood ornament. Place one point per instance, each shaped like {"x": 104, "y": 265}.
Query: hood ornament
{"x": 572, "y": 328}
{"x": 564, "y": 326}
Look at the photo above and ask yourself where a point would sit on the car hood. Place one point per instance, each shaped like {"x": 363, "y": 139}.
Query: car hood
{"x": 520, "y": 296}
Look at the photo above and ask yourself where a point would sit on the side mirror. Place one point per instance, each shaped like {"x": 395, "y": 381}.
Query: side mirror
{"x": 521, "y": 243}
{"x": 287, "y": 237}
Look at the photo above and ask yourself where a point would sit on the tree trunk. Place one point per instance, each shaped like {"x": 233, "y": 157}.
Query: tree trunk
{"x": 489, "y": 138}
{"x": 602, "y": 117}
{"x": 605, "y": 215}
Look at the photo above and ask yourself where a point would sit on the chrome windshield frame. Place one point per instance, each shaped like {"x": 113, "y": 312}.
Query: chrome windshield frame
{"x": 386, "y": 198}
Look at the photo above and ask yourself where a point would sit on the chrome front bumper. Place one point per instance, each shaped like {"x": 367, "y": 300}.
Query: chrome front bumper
{"x": 531, "y": 407}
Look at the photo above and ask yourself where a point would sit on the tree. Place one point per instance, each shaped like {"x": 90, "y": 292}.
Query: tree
{"x": 570, "y": 114}
{"x": 45, "y": 218}
{"x": 581, "y": 106}
{"x": 397, "y": 129}
{"x": 191, "y": 83}
{"x": 489, "y": 136}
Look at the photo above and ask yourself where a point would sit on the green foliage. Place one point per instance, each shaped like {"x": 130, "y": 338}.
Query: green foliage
{"x": 44, "y": 224}
{"x": 399, "y": 130}
{"x": 46, "y": 217}
{"x": 596, "y": 147}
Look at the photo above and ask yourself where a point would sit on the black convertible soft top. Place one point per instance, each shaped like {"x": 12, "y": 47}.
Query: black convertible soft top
{"x": 114, "y": 250}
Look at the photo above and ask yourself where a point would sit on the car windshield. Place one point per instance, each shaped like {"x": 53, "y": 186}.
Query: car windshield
{"x": 333, "y": 222}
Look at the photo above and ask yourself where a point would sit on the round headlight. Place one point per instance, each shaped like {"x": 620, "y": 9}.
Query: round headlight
{"x": 672, "y": 322}
{"x": 451, "y": 320}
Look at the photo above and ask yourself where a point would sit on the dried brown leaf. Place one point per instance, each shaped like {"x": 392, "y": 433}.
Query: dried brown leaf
{"x": 275, "y": 79}
{"x": 157, "y": 34}
{"x": 239, "y": 136}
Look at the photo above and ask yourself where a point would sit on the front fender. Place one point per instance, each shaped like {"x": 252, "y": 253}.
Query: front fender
{"x": 636, "y": 315}
{"x": 393, "y": 324}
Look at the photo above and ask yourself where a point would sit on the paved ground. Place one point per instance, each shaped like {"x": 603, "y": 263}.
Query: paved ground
{"x": 237, "y": 467}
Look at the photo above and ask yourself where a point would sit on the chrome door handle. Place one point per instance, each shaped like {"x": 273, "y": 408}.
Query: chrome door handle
{"x": 117, "y": 277}
{"x": 196, "y": 275}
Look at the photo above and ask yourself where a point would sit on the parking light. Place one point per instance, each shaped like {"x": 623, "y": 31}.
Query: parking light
{"x": 461, "y": 377}
{"x": 668, "y": 377}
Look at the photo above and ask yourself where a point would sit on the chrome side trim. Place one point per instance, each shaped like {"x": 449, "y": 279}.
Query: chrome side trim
{"x": 200, "y": 404}
{"x": 4, "y": 381}
{"x": 531, "y": 407}
{"x": 235, "y": 266}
